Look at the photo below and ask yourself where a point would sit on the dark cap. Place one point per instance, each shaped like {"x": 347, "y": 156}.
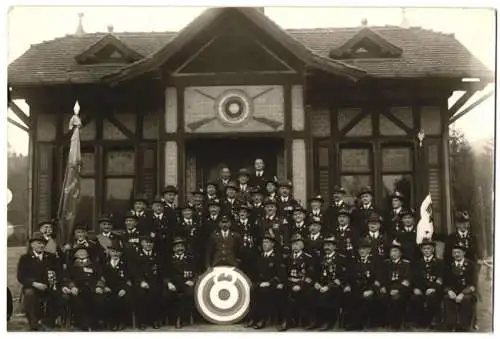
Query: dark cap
{"x": 115, "y": 245}
{"x": 374, "y": 217}
{"x": 270, "y": 236}
{"x": 269, "y": 201}
{"x": 395, "y": 244}
{"x": 244, "y": 171}
{"x": 82, "y": 227}
{"x": 146, "y": 237}
{"x": 407, "y": 211}
{"x": 256, "y": 190}
{"x": 105, "y": 218}
{"x": 300, "y": 208}
{"x": 296, "y": 237}
{"x": 225, "y": 218}
{"x": 364, "y": 243}
{"x": 170, "y": 189}
{"x": 212, "y": 183}
{"x": 198, "y": 191}
{"x": 397, "y": 195}
{"x": 339, "y": 189}
{"x": 141, "y": 197}
{"x": 317, "y": 197}
{"x": 245, "y": 207}
{"x": 178, "y": 240}
{"x": 213, "y": 202}
{"x": 330, "y": 239}
{"x": 231, "y": 184}
{"x": 427, "y": 241}
{"x": 286, "y": 183}
{"x": 187, "y": 206}
{"x": 272, "y": 181}
{"x": 130, "y": 215}
{"x": 462, "y": 216}
{"x": 37, "y": 236}
{"x": 344, "y": 211}
{"x": 459, "y": 245}
{"x": 366, "y": 190}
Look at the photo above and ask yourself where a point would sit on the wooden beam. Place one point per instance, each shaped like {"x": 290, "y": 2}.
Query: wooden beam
{"x": 471, "y": 107}
{"x": 460, "y": 102}
{"x": 20, "y": 114}
{"x": 396, "y": 121}
{"x": 350, "y": 125}
{"x": 128, "y": 133}
{"x": 15, "y": 123}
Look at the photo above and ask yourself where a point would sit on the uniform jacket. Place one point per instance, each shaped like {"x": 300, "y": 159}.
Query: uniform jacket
{"x": 243, "y": 194}
{"x": 397, "y": 275}
{"x": 161, "y": 226}
{"x": 408, "y": 241}
{"x": 392, "y": 221}
{"x": 223, "y": 251}
{"x": 94, "y": 250}
{"x": 300, "y": 270}
{"x": 347, "y": 240}
{"x": 104, "y": 240}
{"x": 259, "y": 181}
{"x": 302, "y": 229}
{"x": 53, "y": 247}
{"x": 461, "y": 279}
{"x": 257, "y": 211}
{"x": 331, "y": 215}
{"x": 31, "y": 269}
{"x": 365, "y": 275}
{"x": 231, "y": 207}
{"x": 171, "y": 214}
{"x": 428, "y": 274}
{"x": 149, "y": 268}
{"x": 314, "y": 246}
{"x": 249, "y": 234}
{"x": 144, "y": 223}
{"x": 116, "y": 278}
{"x": 189, "y": 230}
{"x": 469, "y": 242}
{"x": 285, "y": 208}
{"x": 379, "y": 245}
{"x": 131, "y": 242}
{"x": 221, "y": 184}
{"x": 360, "y": 217}
{"x": 85, "y": 277}
{"x": 180, "y": 269}
{"x": 315, "y": 216}
{"x": 270, "y": 269}
{"x": 332, "y": 271}
{"x": 279, "y": 227}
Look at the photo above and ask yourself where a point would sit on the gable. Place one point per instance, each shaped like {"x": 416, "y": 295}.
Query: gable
{"x": 366, "y": 44}
{"x": 108, "y": 49}
{"x": 234, "y": 52}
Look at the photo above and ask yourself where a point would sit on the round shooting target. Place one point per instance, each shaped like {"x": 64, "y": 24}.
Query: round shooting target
{"x": 233, "y": 107}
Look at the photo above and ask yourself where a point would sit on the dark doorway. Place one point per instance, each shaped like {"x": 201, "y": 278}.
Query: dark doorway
{"x": 236, "y": 153}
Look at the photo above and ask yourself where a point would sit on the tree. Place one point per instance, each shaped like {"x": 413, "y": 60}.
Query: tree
{"x": 17, "y": 182}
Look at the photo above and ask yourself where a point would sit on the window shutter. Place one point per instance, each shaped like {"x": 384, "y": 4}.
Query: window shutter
{"x": 147, "y": 174}
{"x": 44, "y": 182}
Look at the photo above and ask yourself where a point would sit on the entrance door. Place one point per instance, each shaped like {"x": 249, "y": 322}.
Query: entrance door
{"x": 235, "y": 153}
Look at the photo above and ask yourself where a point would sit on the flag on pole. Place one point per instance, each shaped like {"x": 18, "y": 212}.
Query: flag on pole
{"x": 70, "y": 193}
{"x": 425, "y": 227}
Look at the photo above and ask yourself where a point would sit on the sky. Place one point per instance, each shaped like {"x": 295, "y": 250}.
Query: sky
{"x": 474, "y": 28}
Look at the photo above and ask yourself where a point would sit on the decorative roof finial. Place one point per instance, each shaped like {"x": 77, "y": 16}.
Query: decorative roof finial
{"x": 110, "y": 28}
{"x": 404, "y": 20}
{"x": 79, "y": 29}
{"x": 364, "y": 22}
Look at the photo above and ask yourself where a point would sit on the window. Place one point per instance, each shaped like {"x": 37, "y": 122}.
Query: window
{"x": 322, "y": 168}
{"x": 356, "y": 169}
{"x": 397, "y": 168}
{"x": 119, "y": 183}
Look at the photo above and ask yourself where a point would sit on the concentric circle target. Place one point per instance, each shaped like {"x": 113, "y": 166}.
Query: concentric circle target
{"x": 222, "y": 295}
{"x": 233, "y": 107}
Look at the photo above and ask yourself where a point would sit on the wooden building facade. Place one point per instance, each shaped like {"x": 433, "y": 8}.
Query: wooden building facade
{"x": 350, "y": 106}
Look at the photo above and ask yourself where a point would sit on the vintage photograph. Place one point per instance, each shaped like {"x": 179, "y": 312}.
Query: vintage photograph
{"x": 250, "y": 169}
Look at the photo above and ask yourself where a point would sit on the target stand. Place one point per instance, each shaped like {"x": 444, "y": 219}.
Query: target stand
{"x": 222, "y": 295}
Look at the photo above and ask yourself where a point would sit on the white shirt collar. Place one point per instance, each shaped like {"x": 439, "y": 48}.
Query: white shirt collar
{"x": 132, "y": 230}
{"x": 268, "y": 253}
{"x": 374, "y": 234}
{"x": 314, "y": 236}
{"x": 284, "y": 199}
{"x": 38, "y": 256}
{"x": 106, "y": 234}
{"x": 297, "y": 255}
{"x": 460, "y": 263}
{"x": 367, "y": 206}
{"x": 300, "y": 224}
{"x": 463, "y": 234}
{"x": 159, "y": 216}
{"x": 244, "y": 221}
{"x": 429, "y": 258}
{"x": 188, "y": 221}
{"x": 147, "y": 252}
{"x": 259, "y": 173}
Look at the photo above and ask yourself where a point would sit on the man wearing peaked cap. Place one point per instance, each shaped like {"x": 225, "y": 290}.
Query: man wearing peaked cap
{"x": 315, "y": 212}
{"x": 331, "y": 213}
{"x": 161, "y": 229}
{"x": 269, "y": 282}
{"x": 224, "y": 245}
{"x": 286, "y": 203}
{"x": 180, "y": 280}
{"x": 271, "y": 188}
{"x": 271, "y": 221}
{"x": 143, "y": 218}
{"x": 346, "y": 233}
{"x": 231, "y": 202}
{"x": 365, "y": 207}
{"x": 169, "y": 195}
{"x": 463, "y": 236}
{"x": 407, "y": 235}
{"x": 257, "y": 199}
{"x": 428, "y": 275}
{"x": 299, "y": 223}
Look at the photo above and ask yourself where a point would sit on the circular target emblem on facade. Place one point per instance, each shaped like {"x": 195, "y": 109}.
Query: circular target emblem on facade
{"x": 222, "y": 295}
{"x": 233, "y": 107}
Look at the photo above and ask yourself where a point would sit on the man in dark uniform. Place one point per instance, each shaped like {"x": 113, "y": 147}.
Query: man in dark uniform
{"x": 51, "y": 244}
{"x": 269, "y": 281}
{"x": 460, "y": 285}
{"x": 406, "y": 235}
{"x": 365, "y": 272}
{"x": 257, "y": 196}
{"x": 143, "y": 219}
{"x": 224, "y": 179}
{"x": 260, "y": 175}
{"x": 40, "y": 274}
{"x": 331, "y": 283}
{"x": 223, "y": 248}
{"x": 106, "y": 236}
{"x": 249, "y": 240}
{"x": 131, "y": 237}
{"x": 147, "y": 272}
{"x": 169, "y": 194}
{"x": 230, "y": 203}
{"x": 462, "y": 236}
{"x": 346, "y": 235}
{"x": 393, "y": 218}
{"x": 299, "y": 224}
{"x": 427, "y": 285}
{"x": 271, "y": 189}
{"x": 315, "y": 212}
{"x": 379, "y": 241}
{"x": 85, "y": 286}
{"x": 363, "y": 210}
{"x": 188, "y": 228}
{"x": 396, "y": 284}
{"x": 286, "y": 203}
{"x": 199, "y": 206}
{"x": 118, "y": 278}
{"x": 81, "y": 240}
{"x": 162, "y": 229}
{"x": 300, "y": 272}
{"x": 180, "y": 278}
{"x": 314, "y": 241}
{"x": 209, "y": 225}
{"x": 331, "y": 213}
{"x": 243, "y": 185}
{"x": 276, "y": 225}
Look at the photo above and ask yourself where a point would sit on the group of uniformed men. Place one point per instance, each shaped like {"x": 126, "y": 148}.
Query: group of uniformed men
{"x": 314, "y": 267}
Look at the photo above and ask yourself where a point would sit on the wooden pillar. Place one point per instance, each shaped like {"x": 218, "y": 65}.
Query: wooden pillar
{"x": 287, "y": 94}
{"x": 181, "y": 145}
{"x": 446, "y": 189}
{"x": 32, "y": 161}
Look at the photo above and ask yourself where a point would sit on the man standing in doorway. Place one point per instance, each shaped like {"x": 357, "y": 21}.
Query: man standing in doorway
{"x": 224, "y": 179}
{"x": 260, "y": 176}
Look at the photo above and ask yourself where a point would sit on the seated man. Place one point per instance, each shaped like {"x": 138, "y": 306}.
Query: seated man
{"x": 460, "y": 281}
{"x": 119, "y": 299}
{"x": 39, "y": 273}
{"x": 85, "y": 286}
{"x": 269, "y": 281}
{"x": 180, "y": 279}
{"x": 428, "y": 285}
{"x": 396, "y": 285}
{"x": 81, "y": 240}
{"x": 330, "y": 286}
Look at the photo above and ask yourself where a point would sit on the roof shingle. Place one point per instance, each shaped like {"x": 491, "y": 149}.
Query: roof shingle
{"x": 425, "y": 53}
